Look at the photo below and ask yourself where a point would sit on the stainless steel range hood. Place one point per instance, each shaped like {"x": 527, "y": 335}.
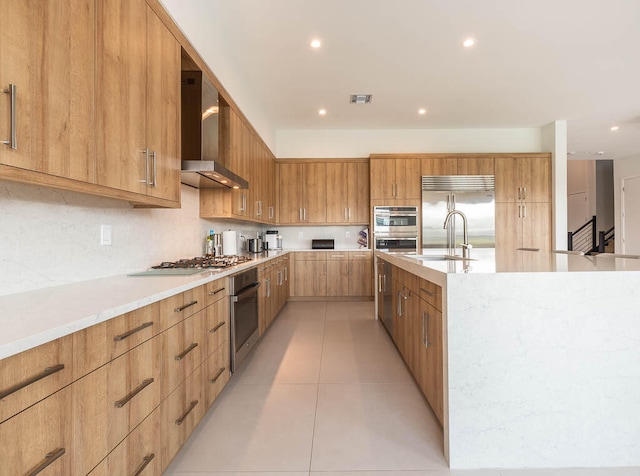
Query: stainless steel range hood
{"x": 209, "y": 174}
{"x": 200, "y": 136}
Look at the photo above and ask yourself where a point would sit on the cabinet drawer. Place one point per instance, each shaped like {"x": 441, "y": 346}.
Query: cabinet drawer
{"x": 311, "y": 256}
{"x": 181, "y": 306}
{"x": 139, "y": 454}
{"x": 39, "y": 436}
{"x": 216, "y": 321}
{"x": 182, "y": 351}
{"x": 430, "y": 292}
{"x": 337, "y": 255}
{"x": 216, "y": 290}
{"x": 34, "y": 374}
{"x": 216, "y": 373}
{"x": 99, "y": 344}
{"x": 360, "y": 255}
{"x": 111, "y": 401}
{"x": 180, "y": 414}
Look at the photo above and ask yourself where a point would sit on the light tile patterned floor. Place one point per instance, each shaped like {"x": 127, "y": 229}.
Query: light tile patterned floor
{"x": 326, "y": 394}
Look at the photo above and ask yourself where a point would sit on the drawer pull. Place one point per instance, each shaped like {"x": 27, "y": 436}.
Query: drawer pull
{"x": 48, "y": 459}
{"x": 217, "y": 376}
{"x": 428, "y": 292}
{"x": 132, "y": 331}
{"x": 182, "y": 308}
{"x": 181, "y": 420}
{"x": 45, "y": 373}
{"x": 145, "y": 462}
{"x": 134, "y": 392}
{"x": 213, "y": 293}
{"x": 186, "y": 351}
{"x": 212, "y": 331}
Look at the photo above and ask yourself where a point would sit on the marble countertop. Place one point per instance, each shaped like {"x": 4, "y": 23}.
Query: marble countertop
{"x": 36, "y": 317}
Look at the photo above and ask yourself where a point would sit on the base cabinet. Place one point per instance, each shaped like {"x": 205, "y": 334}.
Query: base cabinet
{"x": 274, "y": 290}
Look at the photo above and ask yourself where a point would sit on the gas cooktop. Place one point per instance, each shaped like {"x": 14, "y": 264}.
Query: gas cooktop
{"x": 186, "y": 267}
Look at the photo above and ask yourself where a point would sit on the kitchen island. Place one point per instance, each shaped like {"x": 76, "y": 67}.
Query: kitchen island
{"x": 541, "y": 355}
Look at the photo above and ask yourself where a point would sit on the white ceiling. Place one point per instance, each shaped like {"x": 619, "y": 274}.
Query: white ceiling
{"x": 534, "y": 62}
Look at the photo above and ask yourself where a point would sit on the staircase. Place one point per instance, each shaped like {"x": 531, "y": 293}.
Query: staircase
{"x": 589, "y": 241}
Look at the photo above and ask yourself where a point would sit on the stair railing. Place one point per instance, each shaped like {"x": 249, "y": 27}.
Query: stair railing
{"x": 584, "y": 238}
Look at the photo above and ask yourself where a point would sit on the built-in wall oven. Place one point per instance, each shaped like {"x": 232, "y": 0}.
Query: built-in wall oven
{"x": 395, "y": 229}
{"x": 244, "y": 315}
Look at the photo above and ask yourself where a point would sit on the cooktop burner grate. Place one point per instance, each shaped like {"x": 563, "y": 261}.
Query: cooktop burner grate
{"x": 203, "y": 262}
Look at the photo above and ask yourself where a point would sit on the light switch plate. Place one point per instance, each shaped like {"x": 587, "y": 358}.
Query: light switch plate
{"x": 105, "y": 235}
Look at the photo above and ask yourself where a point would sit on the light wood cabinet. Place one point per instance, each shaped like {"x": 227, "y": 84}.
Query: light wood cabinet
{"x": 523, "y": 178}
{"x": 137, "y": 86}
{"x": 183, "y": 351}
{"x": 348, "y": 192}
{"x": 475, "y": 166}
{"x": 360, "y": 273}
{"x": 439, "y": 166}
{"x": 216, "y": 373}
{"x": 338, "y": 274}
{"x": 310, "y": 274}
{"x": 303, "y": 193}
{"x": 47, "y": 52}
{"x": 395, "y": 177}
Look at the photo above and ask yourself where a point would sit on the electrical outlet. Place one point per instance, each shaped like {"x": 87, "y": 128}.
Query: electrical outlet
{"x": 347, "y": 234}
{"x": 105, "y": 235}
{"x": 300, "y": 235}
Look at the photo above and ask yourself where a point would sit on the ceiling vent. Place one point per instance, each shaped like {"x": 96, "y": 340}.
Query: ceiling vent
{"x": 360, "y": 98}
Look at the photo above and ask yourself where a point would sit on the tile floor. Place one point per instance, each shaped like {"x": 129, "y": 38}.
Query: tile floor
{"x": 325, "y": 393}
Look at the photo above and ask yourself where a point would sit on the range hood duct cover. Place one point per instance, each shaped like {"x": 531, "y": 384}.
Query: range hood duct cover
{"x": 209, "y": 174}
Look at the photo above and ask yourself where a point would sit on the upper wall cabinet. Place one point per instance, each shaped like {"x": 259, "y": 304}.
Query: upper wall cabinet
{"x": 138, "y": 91}
{"x": 47, "y": 73}
{"x": 395, "y": 177}
{"x": 303, "y": 193}
{"x": 348, "y": 192}
{"x": 523, "y": 178}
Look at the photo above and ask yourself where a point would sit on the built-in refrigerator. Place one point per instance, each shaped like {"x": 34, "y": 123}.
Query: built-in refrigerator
{"x": 474, "y": 195}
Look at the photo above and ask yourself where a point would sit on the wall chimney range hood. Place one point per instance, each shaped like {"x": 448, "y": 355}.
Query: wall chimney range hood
{"x": 200, "y": 125}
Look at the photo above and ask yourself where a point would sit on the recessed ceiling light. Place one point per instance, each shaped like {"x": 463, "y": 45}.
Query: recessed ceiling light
{"x": 422, "y": 111}
{"x": 322, "y": 112}
{"x": 615, "y": 128}
{"x": 468, "y": 43}
{"x": 316, "y": 43}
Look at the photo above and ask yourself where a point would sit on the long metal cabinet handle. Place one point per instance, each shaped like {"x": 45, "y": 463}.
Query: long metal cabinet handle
{"x": 384, "y": 284}
{"x": 154, "y": 156}
{"x": 120, "y": 337}
{"x": 299, "y": 214}
{"x": 45, "y": 373}
{"x": 217, "y": 375}
{"x": 48, "y": 459}
{"x": 379, "y": 283}
{"x": 268, "y": 287}
{"x": 286, "y": 274}
{"x": 524, "y": 211}
{"x": 13, "y": 139}
{"x": 425, "y": 328}
{"x": 145, "y": 462}
{"x": 181, "y": 420}
{"x": 145, "y": 151}
{"x": 145, "y": 383}
{"x": 213, "y": 293}
{"x": 271, "y": 212}
{"x": 184, "y": 353}
{"x": 344, "y": 213}
{"x": 182, "y": 308}
{"x": 304, "y": 214}
{"x": 429, "y": 293}
{"x": 399, "y": 310}
{"x": 524, "y": 193}
{"x": 349, "y": 213}
{"x": 214, "y": 330}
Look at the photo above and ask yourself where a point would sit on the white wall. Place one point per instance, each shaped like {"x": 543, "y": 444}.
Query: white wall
{"x": 360, "y": 143}
{"x": 622, "y": 168}
{"x": 554, "y": 140}
{"x": 49, "y": 237}
{"x": 581, "y": 177}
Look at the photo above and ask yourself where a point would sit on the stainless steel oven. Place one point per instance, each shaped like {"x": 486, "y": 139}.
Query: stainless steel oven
{"x": 395, "y": 229}
{"x": 244, "y": 315}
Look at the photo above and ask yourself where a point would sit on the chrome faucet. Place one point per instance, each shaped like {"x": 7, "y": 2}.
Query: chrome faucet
{"x": 466, "y": 247}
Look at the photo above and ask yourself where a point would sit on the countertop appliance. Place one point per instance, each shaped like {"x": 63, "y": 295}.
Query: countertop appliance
{"x": 199, "y": 138}
{"x": 243, "y": 291}
{"x": 395, "y": 229}
{"x": 273, "y": 240}
{"x": 471, "y": 194}
{"x": 322, "y": 244}
{"x": 255, "y": 245}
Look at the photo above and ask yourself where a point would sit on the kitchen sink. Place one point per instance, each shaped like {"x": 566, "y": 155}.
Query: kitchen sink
{"x": 439, "y": 258}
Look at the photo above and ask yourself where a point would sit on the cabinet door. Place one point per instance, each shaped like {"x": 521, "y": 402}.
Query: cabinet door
{"x": 121, "y": 95}
{"x": 311, "y": 278}
{"x": 476, "y": 166}
{"x": 47, "y": 52}
{"x": 508, "y": 226}
{"x": 535, "y": 176}
{"x": 183, "y": 345}
{"x": 536, "y": 226}
{"x": 507, "y": 179}
{"x": 383, "y": 178}
{"x": 216, "y": 330}
{"x": 315, "y": 193}
{"x": 360, "y": 274}
{"x": 39, "y": 435}
{"x": 163, "y": 108}
{"x": 337, "y": 274}
{"x": 408, "y": 178}
{"x": 439, "y": 166}
{"x": 358, "y": 193}
{"x": 216, "y": 373}
{"x": 290, "y": 189}
{"x": 337, "y": 193}
{"x": 429, "y": 359}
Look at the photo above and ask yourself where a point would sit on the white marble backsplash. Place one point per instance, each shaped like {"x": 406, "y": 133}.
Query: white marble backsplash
{"x": 299, "y": 237}
{"x": 50, "y": 237}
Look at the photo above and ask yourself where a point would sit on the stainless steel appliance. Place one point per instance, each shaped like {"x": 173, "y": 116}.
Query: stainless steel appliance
{"x": 473, "y": 195}
{"x": 395, "y": 229}
{"x": 255, "y": 245}
{"x": 385, "y": 278}
{"x": 199, "y": 139}
{"x": 195, "y": 265}
{"x": 325, "y": 244}
{"x": 244, "y": 315}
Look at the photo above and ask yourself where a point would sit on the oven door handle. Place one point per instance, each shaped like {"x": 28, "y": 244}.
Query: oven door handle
{"x": 246, "y": 292}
